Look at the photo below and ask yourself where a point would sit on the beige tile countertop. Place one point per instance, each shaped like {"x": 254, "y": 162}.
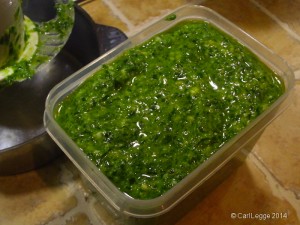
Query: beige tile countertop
{"x": 268, "y": 182}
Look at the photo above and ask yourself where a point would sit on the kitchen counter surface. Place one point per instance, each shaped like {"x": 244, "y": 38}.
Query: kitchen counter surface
{"x": 267, "y": 183}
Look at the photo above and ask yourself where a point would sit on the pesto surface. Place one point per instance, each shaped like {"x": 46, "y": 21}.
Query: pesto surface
{"x": 155, "y": 113}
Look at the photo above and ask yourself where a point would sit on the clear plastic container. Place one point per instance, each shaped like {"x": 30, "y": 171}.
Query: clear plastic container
{"x": 175, "y": 202}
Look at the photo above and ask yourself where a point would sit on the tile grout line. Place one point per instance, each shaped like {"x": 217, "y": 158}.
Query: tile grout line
{"x": 82, "y": 204}
{"x": 277, "y": 20}
{"x": 276, "y": 187}
{"x": 119, "y": 14}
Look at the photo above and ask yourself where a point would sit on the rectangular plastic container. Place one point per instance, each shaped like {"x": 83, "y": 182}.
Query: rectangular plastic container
{"x": 173, "y": 204}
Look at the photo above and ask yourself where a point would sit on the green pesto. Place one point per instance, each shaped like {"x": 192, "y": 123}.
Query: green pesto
{"x": 171, "y": 17}
{"x": 155, "y": 113}
{"x": 62, "y": 23}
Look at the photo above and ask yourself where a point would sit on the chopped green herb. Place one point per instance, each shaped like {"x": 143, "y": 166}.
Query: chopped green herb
{"x": 171, "y": 17}
{"x": 155, "y": 113}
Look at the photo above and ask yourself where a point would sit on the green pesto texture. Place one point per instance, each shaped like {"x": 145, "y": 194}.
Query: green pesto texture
{"x": 62, "y": 23}
{"x": 155, "y": 113}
